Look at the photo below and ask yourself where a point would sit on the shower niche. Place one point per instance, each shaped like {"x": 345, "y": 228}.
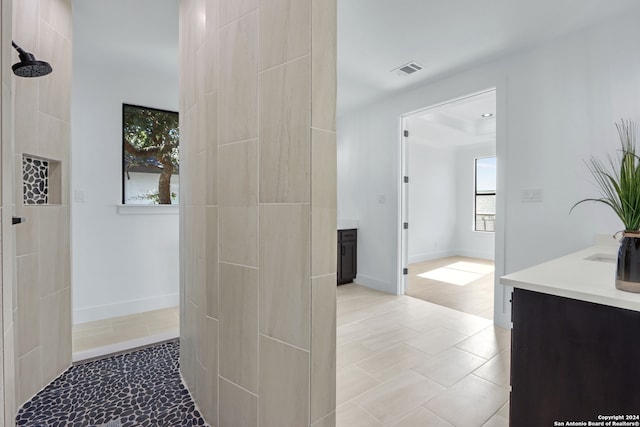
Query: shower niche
{"x": 41, "y": 181}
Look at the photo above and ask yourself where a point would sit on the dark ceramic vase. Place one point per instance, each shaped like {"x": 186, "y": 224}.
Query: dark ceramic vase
{"x": 628, "y": 270}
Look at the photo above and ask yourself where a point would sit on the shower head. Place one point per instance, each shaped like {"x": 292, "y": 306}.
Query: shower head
{"x": 29, "y": 66}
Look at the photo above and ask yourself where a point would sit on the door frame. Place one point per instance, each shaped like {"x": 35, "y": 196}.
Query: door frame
{"x": 502, "y": 304}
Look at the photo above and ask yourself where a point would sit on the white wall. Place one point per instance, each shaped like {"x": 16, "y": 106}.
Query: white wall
{"x": 471, "y": 243}
{"x": 556, "y": 105}
{"x": 367, "y": 192}
{"x": 121, "y": 263}
{"x": 432, "y": 200}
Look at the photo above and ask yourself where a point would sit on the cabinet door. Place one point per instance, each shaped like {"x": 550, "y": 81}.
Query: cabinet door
{"x": 348, "y": 260}
{"x": 347, "y": 255}
{"x": 572, "y": 360}
{"x": 339, "y": 273}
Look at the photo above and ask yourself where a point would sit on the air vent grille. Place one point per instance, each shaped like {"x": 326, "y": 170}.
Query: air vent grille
{"x": 409, "y": 68}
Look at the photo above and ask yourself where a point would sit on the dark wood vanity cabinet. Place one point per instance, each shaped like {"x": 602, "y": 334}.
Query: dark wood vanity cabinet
{"x": 572, "y": 360}
{"x": 347, "y": 255}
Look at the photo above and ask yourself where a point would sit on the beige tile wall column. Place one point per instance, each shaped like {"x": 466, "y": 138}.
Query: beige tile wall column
{"x": 7, "y": 365}
{"x": 42, "y": 299}
{"x": 258, "y": 207}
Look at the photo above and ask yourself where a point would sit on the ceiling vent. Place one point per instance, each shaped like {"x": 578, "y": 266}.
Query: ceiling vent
{"x": 407, "y": 69}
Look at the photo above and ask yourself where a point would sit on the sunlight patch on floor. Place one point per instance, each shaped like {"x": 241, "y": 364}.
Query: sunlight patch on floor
{"x": 459, "y": 273}
{"x": 472, "y": 267}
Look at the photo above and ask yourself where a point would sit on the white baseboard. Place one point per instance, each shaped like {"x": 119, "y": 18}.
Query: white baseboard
{"x": 430, "y": 256}
{"x": 472, "y": 254}
{"x": 120, "y": 347}
{"x": 444, "y": 254}
{"x": 378, "y": 285}
{"x": 124, "y": 308}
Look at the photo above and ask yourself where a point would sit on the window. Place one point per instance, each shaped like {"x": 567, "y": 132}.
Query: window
{"x": 485, "y": 194}
{"x": 150, "y": 156}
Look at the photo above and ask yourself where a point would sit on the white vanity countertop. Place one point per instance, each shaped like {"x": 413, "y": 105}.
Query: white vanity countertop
{"x": 577, "y": 277}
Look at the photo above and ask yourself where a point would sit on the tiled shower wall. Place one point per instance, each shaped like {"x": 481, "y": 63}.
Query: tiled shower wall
{"x": 7, "y": 366}
{"x": 42, "y": 294}
{"x": 258, "y": 221}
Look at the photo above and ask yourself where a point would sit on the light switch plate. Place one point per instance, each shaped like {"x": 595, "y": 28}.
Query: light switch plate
{"x": 532, "y": 195}
{"x": 78, "y": 196}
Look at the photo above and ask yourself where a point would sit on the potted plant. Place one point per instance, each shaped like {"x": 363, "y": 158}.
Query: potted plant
{"x": 619, "y": 182}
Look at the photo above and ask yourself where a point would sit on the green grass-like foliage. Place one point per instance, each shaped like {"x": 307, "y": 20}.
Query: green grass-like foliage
{"x": 619, "y": 179}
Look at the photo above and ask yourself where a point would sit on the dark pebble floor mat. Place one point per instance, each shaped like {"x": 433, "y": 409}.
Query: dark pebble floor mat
{"x": 141, "y": 388}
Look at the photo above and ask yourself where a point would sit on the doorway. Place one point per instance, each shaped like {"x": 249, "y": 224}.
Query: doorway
{"x": 449, "y": 203}
{"x": 125, "y": 244}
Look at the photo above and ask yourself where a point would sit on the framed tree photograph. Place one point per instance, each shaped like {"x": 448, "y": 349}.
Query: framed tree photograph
{"x": 150, "y": 156}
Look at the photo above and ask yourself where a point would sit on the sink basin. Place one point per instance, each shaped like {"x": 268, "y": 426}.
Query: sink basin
{"x": 602, "y": 258}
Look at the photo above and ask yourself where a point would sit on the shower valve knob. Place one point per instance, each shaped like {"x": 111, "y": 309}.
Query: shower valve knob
{"x": 18, "y": 220}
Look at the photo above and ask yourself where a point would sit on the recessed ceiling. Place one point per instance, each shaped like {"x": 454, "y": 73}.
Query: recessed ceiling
{"x": 376, "y": 36}
{"x": 456, "y": 123}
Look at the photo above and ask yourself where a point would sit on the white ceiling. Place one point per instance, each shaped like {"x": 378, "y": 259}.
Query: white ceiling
{"x": 135, "y": 34}
{"x": 374, "y": 36}
{"x": 377, "y": 36}
{"x": 455, "y": 124}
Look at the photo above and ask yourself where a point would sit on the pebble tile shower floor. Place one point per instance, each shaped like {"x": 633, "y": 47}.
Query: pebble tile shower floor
{"x": 141, "y": 388}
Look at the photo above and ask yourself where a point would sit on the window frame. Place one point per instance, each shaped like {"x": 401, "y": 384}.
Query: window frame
{"x": 476, "y": 194}
{"x": 123, "y": 164}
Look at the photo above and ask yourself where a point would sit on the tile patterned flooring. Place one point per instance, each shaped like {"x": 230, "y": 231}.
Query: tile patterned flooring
{"x": 401, "y": 361}
{"x": 405, "y": 362}
{"x": 474, "y": 298}
{"x": 141, "y": 388}
{"x": 107, "y": 336}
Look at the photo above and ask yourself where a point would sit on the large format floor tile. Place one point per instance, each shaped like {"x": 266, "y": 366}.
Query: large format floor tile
{"x": 497, "y": 369}
{"x": 405, "y": 362}
{"x": 436, "y": 340}
{"x": 393, "y": 399}
{"x": 470, "y": 402}
{"x": 354, "y": 416}
{"x": 422, "y": 417}
{"x": 487, "y": 343}
{"x": 450, "y": 366}
{"x": 352, "y": 382}
{"x": 497, "y": 421}
{"x": 389, "y": 363}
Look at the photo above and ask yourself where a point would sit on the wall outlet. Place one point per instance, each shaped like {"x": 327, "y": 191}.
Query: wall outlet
{"x": 532, "y": 195}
